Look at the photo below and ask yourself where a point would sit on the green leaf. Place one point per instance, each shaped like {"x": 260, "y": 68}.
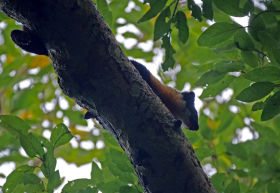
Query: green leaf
{"x": 14, "y": 124}
{"x": 2, "y": 175}
{"x": 3, "y": 16}
{"x": 271, "y": 45}
{"x": 266, "y": 132}
{"x": 27, "y": 97}
{"x": 229, "y": 66}
{"x": 128, "y": 189}
{"x": 271, "y": 149}
{"x": 138, "y": 53}
{"x": 225, "y": 121}
{"x": 32, "y": 183}
{"x": 255, "y": 92}
{"x": 207, "y": 9}
{"x": 104, "y": 9}
{"x": 46, "y": 143}
{"x": 218, "y": 33}
{"x": 49, "y": 163}
{"x": 31, "y": 145}
{"x": 6, "y": 80}
{"x": 271, "y": 107}
{"x": 196, "y": 11}
{"x": 232, "y": 7}
{"x": 258, "y": 106}
{"x": 273, "y": 187}
{"x": 80, "y": 186}
{"x": 110, "y": 187}
{"x": 264, "y": 74}
{"x": 120, "y": 160}
{"x": 203, "y": 152}
{"x": 53, "y": 181}
{"x": 76, "y": 117}
{"x": 233, "y": 187}
{"x": 156, "y": 7}
{"x": 16, "y": 178}
{"x": 182, "y": 26}
{"x": 130, "y": 35}
{"x": 256, "y": 24}
{"x": 169, "y": 51}
{"x": 271, "y": 23}
{"x": 120, "y": 167}
{"x": 161, "y": 26}
{"x": 60, "y": 135}
{"x": 19, "y": 188}
{"x": 226, "y": 47}
{"x": 243, "y": 41}
{"x": 31, "y": 178}
{"x": 206, "y": 132}
{"x": 34, "y": 188}
{"x": 107, "y": 174}
{"x": 249, "y": 58}
{"x": 215, "y": 89}
{"x": 219, "y": 181}
{"x": 240, "y": 173}
{"x": 96, "y": 173}
{"x": 210, "y": 77}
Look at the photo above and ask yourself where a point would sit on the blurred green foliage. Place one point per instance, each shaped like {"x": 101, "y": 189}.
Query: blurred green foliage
{"x": 236, "y": 68}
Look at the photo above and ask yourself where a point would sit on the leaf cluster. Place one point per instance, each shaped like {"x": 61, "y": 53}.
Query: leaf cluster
{"x": 236, "y": 68}
{"x": 24, "y": 178}
{"x": 114, "y": 175}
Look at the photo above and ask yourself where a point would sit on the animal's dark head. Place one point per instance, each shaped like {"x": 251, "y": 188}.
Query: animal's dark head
{"x": 191, "y": 118}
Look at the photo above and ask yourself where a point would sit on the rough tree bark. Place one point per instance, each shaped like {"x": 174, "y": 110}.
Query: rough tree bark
{"x": 93, "y": 70}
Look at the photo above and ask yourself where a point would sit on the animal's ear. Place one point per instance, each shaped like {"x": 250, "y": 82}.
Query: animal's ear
{"x": 29, "y": 41}
{"x": 188, "y": 97}
{"x": 191, "y": 94}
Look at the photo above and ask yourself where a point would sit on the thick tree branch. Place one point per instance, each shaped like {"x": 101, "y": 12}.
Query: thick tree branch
{"x": 93, "y": 70}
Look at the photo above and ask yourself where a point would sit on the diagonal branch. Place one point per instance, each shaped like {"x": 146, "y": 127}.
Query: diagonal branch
{"x": 93, "y": 70}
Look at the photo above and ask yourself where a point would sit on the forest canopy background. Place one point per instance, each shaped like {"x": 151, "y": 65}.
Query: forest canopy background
{"x": 226, "y": 57}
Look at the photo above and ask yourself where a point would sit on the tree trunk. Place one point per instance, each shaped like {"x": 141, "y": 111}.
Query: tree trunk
{"x": 93, "y": 70}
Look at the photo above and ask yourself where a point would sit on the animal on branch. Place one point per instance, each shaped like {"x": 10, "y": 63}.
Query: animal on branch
{"x": 180, "y": 104}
